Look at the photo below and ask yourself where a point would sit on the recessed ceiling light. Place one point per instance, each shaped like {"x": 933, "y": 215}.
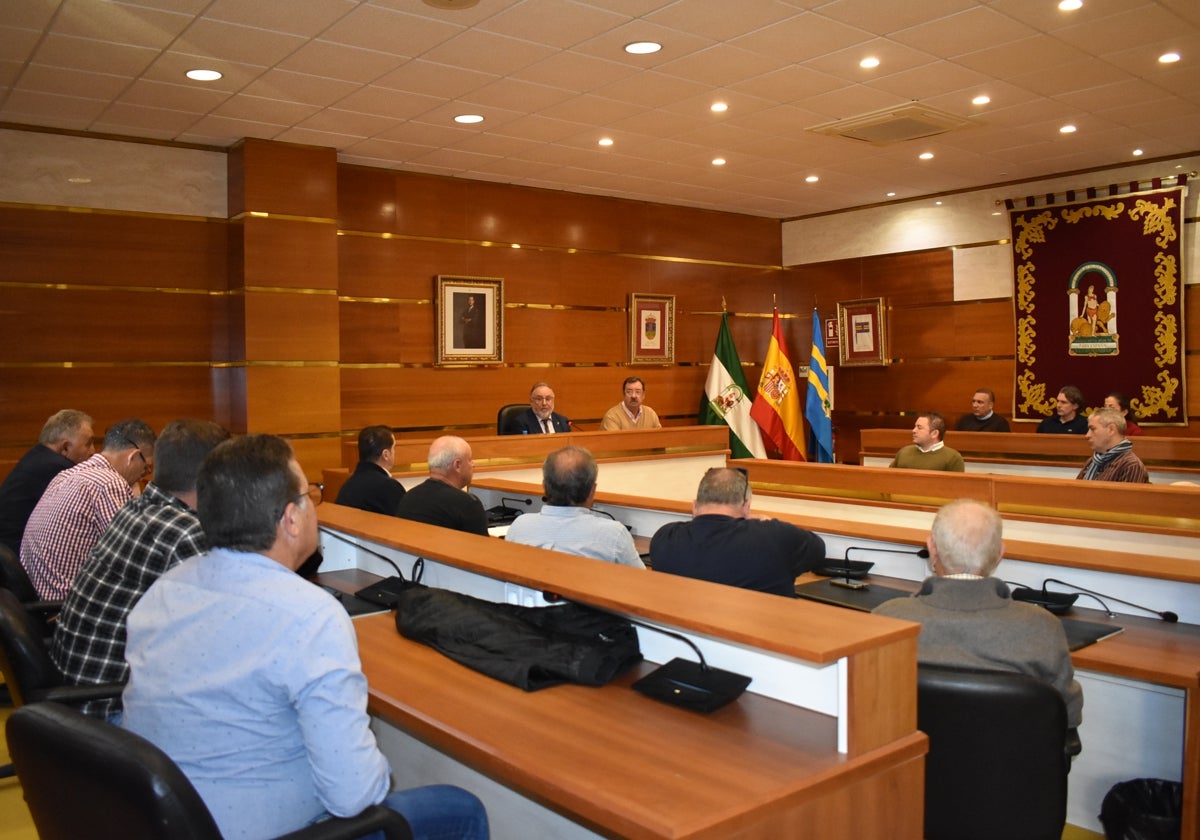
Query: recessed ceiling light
{"x": 812, "y": 179}
{"x": 718, "y": 161}
{"x": 468, "y": 119}
{"x": 718, "y": 107}
{"x": 1070, "y": 5}
{"x": 938, "y": 203}
{"x": 1067, "y": 129}
{"x": 982, "y": 99}
{"x": 1138, "y": 153}
{"x": 891, "y": 195}
{"x": 642, "y": 47}
{"x": 605, "y": 141}
{"x": 203, "y": 75}
{"x": 926, "y": 156}
{"x": 868, "y": 63}
{"x": 1168, "y": 58}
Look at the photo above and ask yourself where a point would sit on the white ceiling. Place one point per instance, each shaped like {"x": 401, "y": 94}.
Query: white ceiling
{"x": 381, "y": 80}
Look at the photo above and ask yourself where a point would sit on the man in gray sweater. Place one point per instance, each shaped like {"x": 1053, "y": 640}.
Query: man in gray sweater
{"x": 968, "y": 618}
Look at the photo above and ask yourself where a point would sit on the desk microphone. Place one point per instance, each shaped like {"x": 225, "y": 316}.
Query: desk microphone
{"x": 1165, "y": 615}
{"x": 691, "y": 685}
{"x": 526, "y": 502}
{"x": 849, "y": 569}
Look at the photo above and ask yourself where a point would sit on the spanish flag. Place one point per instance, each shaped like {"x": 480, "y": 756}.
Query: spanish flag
{"x": 776, "y": 407}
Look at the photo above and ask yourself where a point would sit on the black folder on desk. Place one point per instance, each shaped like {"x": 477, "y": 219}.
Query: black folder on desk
{"x": 865, "y": 599}
{"x": 1080, "y": 633}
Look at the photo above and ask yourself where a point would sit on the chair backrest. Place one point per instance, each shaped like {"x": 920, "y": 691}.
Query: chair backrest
{"x": 26, "y": 664}
{"x": 506, "y": 414}
{"x": 84, "y": 777}
{"x": 996, "y": 766}
{"x": 14, "y": 578}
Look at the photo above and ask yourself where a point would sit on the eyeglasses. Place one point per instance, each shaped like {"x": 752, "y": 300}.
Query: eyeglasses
{"x": 543, "y": 399}
{"x": 315, "y": 493}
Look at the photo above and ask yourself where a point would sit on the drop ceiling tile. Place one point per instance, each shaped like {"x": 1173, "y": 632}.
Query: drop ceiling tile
{"x": 942, "y": 80}
{"x": 803, "y": 37}
{"x": 538, "y": 128}
{"x": 718, "y": 66}
{"x": 487, "y": 52}
{"x": 338, "y": 61}
{"x": 119, "y": 23}
{"x": 555, "y": 23}
{"x": 573, "y": 71}
{"x": 161, "y": 123}
{"x": 1018, "y": 57}
{"x": 376, "y": 149}
{"x": 170, "y": 67}
{"x": 242, "y": 44}
{"x": 596, "y": 110}
{"x": 396, "y": 104}
{"x": 225, "y": 131}
{"x": 313, "y": 137}
{"x": 516, "y": 95}
{"x": 51, "y": 109}
{"x": 273, "y": 111}
{"x": 452, "y": 159}
{"x": 350, "y": 123}
{"x": 296, "y": 17}
{"x": 965, "y": 32}
{"x": 431, "y": 79}
{"x": 651, "y": 89}
{"x": 43, "y": 79}
{"x": 95, "y": 56}
{"x": 299, "y": 87}
{"x": 713, "y": 19}
{"x": 389, "y": 31}
{"x": 172, "y": 97}
{"x": 793, "y": 83}
{"x": 886, "y": 18}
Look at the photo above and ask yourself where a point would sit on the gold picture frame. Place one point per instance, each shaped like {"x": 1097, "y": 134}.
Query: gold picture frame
{"x": 469, "y": 318}
{"x": 651, "y": 329}
{"x": 862, "y": 333}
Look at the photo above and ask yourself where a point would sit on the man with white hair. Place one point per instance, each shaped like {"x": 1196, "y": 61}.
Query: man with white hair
{"x": 968, "y": 618}
{"x": 1113, "y": 458}
{"x": 442, "y": 499}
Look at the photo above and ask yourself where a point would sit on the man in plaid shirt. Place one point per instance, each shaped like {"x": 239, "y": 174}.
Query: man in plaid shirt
{"x": 148, "y": 536}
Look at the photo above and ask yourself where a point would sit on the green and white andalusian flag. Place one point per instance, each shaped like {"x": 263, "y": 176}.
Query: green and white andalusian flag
{"x": 727, "y": 399}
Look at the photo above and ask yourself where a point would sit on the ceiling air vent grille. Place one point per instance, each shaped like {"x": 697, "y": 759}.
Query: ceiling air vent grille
{"x": 893, "y": 125}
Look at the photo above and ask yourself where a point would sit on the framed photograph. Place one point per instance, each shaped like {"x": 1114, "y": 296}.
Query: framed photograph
{"x": 470, "y": 320}
{"x": 652, "y": 329}
{"x": 862, "y": 333}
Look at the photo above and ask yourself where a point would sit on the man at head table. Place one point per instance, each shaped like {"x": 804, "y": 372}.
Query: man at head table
{"x": 541, "y": 418}
{"x": 631, "y": 412}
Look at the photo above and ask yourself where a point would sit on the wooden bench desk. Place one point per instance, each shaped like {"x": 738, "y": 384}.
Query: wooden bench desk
{"x": 623, "y": 765}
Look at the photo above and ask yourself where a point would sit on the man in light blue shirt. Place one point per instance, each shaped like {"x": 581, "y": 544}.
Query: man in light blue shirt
{"x": 248, "y": 676}
{"x": 566, "y": 522}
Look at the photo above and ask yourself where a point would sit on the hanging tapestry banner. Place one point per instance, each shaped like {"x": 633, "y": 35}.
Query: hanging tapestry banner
{"x": 1099, "y": 304}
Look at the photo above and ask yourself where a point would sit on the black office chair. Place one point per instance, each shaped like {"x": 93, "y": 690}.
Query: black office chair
{"x": 506, "y": 414}
{"x": 15, "y": 579}
{"x": 30, "y": 675}
{"x": 996, "y": 767}
{"x": 84, "y": 777}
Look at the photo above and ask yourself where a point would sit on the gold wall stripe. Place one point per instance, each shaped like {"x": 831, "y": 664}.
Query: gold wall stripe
{"x": 554, "y": 249}
{"x": 281, "y": 217}
{"x": 97, "y": 287}
{"x": 287, "y": 290}
{"x": 355, "y": 299}
{"x": 113, "y": 364}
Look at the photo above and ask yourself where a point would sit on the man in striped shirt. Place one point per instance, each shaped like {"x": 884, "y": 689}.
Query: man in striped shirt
{"x": 79, "y": 503}
{"x": 147, "y": 537}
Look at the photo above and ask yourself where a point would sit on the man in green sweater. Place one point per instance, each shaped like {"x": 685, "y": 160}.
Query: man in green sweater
{"x": 927, "y": 451}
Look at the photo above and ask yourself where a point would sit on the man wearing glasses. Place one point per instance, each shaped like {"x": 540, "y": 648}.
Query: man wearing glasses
{"x": 79, "y": 503}
{"x": 248, "y": 677}
{"x": 724, "y": 544}
{"x": 541, "y": 419}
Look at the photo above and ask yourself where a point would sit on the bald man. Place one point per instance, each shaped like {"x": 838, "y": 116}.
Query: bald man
{"x": 442, "y": 499}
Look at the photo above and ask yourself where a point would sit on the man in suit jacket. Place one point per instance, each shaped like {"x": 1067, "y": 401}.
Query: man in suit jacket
{"x": 541, "y": 418}
{"x": 372, "y": 487}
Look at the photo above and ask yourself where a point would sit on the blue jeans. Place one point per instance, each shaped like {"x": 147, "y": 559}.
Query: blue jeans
{"x": 439, "y": 812}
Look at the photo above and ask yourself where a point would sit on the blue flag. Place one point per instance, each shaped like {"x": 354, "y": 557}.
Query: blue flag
{"x": 817, "y": 406}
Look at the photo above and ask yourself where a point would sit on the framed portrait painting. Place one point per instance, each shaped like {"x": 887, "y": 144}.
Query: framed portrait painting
{"x": 862, "y": 333}
{"x": 470, "y": 320}
{"x": 652, "y": 329}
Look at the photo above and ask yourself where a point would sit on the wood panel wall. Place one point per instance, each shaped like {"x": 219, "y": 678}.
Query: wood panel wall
{"x": 317, "y": 318}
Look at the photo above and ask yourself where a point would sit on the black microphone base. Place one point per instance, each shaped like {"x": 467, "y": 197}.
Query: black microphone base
{"x": 686, "y": 684}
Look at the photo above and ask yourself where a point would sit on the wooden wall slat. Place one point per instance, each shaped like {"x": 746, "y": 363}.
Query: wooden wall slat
{"x": 88, "y": 325}
{"x": 951, "y": 330}
{"x": 292, "y": 327}
{"x": 291, "y": 254}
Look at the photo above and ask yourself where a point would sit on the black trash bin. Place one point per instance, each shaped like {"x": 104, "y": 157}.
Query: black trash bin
{"x": 1143, "y": 809}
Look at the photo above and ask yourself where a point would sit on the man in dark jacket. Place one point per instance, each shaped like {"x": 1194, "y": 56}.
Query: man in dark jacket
{"x": 372, "y": 487}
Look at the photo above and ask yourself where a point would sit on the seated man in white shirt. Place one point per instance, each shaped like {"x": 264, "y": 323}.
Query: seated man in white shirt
{"x": 566, "y": 522}
{"x": 248, "y": 676}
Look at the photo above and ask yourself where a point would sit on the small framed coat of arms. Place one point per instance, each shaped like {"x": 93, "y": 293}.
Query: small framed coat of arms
{"x": 652, "y": 329}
